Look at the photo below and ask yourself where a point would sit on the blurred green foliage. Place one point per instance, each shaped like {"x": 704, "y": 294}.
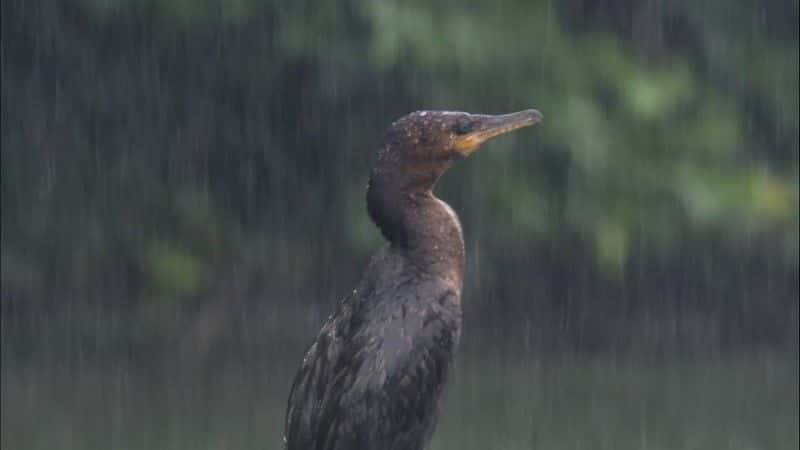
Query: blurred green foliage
{"x": 174, "y": 271}
{"x": 670, "y": 134}
{"x": 655, "y": 149}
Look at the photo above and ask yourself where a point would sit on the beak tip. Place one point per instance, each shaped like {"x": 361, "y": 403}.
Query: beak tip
{"x": 536, "y": 116}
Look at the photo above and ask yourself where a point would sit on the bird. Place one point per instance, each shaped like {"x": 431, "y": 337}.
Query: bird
{"x": 374, "y": 377}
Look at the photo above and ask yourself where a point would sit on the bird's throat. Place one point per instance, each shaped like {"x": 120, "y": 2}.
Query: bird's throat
{"x": 421, "y": 226}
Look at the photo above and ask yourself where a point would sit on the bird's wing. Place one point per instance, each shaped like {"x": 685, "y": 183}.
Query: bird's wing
{"x": 311, "y": 391}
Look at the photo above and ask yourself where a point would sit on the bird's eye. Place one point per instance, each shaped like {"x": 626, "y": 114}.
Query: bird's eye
{"x": 463, "y": 128}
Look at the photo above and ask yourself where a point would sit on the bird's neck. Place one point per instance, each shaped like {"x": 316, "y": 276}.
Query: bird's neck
{"x": 421, "y": 226}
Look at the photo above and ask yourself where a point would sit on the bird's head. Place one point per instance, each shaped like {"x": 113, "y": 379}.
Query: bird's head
{"x": 423, "y": 145}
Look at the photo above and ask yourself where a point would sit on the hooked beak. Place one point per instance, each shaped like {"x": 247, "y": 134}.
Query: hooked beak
{"x": 485, "y": 127}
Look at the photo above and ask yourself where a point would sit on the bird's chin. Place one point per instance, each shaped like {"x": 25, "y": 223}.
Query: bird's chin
{"x": 468, "y": 144}
{"x": 459, "y": 155}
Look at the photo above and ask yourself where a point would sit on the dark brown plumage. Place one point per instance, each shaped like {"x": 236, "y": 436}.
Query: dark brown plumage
{"x": 373, "y": 379}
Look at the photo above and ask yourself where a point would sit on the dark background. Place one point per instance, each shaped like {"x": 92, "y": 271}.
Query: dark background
{"x": 183, "y": 205}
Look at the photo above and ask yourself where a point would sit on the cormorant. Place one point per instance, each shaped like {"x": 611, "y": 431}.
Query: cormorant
{"x": 373, "y": 379}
